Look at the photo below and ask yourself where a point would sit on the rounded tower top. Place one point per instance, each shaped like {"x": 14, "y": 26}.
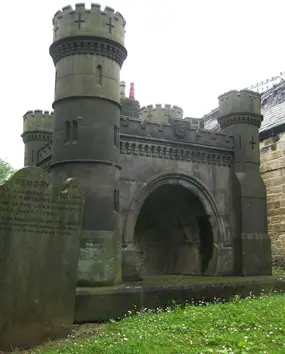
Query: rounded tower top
{"x": 93, "y": 22}
{"x": 244, "y": 101}
{"x": 240, "y": 107}
{"x": 38, "y": 120}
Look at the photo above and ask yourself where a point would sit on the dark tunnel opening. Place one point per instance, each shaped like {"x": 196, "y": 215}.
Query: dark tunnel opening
{"x": 173, "y": 234}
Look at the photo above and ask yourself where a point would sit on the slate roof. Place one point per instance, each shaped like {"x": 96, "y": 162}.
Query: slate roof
{"x": 272, "y": 108}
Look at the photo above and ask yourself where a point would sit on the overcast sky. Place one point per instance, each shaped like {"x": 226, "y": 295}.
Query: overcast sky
{"x": 181, "y": 52}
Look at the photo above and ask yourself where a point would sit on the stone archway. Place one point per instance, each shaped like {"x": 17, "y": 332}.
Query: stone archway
{"x": 186, "y": 243}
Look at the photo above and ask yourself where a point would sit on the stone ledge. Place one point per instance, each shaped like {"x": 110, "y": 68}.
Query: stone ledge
{"x": 102, "y": 304}
{"x": 88, "y": 45}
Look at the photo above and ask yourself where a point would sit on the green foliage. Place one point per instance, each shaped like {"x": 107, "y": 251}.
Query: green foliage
{"x": 251, "y": 325}
{"x": 278, "y": 271}
{"x": 5, "y": 170}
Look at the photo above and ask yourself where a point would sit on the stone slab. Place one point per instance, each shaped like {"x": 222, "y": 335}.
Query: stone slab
{"x": 256, "y": 254}
{"x": 40, "y": 224}
{"x": 98, "y": 259}
{"x": 103, "y": 304}
{"x": 131, "y": 263}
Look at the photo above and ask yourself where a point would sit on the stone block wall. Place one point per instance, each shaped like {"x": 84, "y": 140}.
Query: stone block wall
{"x": 272, "y": 168}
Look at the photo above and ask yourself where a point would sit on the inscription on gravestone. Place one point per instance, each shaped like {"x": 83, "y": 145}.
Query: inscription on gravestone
{"x": 96, "y": 261}
{"x": 40, "y": 225}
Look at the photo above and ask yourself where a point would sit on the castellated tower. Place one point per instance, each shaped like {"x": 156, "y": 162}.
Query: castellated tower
{"x": 240, "y": 116}
{"x": 88, "y": 52}
{"x": 37, "y": 132}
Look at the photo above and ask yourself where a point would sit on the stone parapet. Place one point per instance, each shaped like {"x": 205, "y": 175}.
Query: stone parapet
{"x": 179, "y": 131}
{"x": 160, "y": 113}
{"x": 243, "y": 101}
{"x": 94, "y": 22}
{"x": 38, "y": 121}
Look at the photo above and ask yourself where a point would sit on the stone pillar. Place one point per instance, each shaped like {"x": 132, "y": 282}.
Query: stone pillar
{"x": 88, "y": 52}
{"x": 240, "y": 116}
{"x": 123, "y": 89}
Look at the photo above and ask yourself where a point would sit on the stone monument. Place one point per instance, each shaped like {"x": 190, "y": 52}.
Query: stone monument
{"x": 88, "y": 51}
{"x": 40, "y": 225}
{"x": 145, "y": 170}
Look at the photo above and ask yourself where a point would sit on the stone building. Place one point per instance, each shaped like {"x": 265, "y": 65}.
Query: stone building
{"x": 272, "y": 161}
{"x": 163, "y": 194}
{"x": 272, "y": 167}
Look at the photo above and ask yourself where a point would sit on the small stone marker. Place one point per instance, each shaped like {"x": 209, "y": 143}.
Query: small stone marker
{"x": 40, "y": 225}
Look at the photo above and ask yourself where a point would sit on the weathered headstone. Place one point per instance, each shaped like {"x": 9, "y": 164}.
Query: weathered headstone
{"x": 40, "y": 224}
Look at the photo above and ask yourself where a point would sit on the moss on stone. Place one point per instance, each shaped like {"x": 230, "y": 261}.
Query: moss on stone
{"x": 102, "y": 303}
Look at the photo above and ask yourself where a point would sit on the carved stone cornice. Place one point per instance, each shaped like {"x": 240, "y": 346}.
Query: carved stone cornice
{"x": 218, "y": 157}
{"x": 154, "y": 149}
{"x": 32, "y": 136}
{"x": 253, "y": 119}
{"x": 88, "y": 45}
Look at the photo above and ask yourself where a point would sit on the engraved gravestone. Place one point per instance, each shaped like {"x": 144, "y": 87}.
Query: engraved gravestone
{"x": 40, "y": 225}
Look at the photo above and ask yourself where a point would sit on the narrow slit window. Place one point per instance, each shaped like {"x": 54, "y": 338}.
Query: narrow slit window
{"x": 99, "y": 75}
{"x": 74, "y": 131}
{"x": 116, "y": 136}
{"x": 67, "y": 132}
{"x": 116, "y": 200}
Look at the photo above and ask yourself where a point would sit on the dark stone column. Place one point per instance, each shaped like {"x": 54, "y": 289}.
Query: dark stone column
{"x": 240, "y": 116}
{"x": 88, "y": 52}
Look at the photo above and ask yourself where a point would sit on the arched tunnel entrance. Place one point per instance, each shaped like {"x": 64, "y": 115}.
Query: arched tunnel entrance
{"x": 173, "y": 234}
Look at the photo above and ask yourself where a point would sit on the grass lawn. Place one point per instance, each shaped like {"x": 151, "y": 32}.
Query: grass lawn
{"x": 252, "y": 325}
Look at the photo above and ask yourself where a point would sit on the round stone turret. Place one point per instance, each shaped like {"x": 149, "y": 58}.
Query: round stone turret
{"x": 240, "y": 105}
{"x": 98, "y": 37}
{"x": 240, "y": 116}
{"x": 37, "y": 132}
{"x": 38, "y": 121}
{"x": 94, "y": 22}
{"x": 88, "y": 52}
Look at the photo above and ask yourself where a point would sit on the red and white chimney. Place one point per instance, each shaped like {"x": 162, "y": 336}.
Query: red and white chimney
{"x": 132, "y": 91}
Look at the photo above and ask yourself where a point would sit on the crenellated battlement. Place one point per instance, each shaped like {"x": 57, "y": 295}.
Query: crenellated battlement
{"x": 81, "y": 21}
{"x": 197, "y": 123}
{"x": 180, "y": 131}
{"x": 38, "y": 121}
{"x": 160, "y": 113}
{"x": 244, "y": 101}
{"x": 240, "y": 107}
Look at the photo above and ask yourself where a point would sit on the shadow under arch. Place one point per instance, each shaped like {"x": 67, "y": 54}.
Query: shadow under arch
{"x": 193, "y": 185}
